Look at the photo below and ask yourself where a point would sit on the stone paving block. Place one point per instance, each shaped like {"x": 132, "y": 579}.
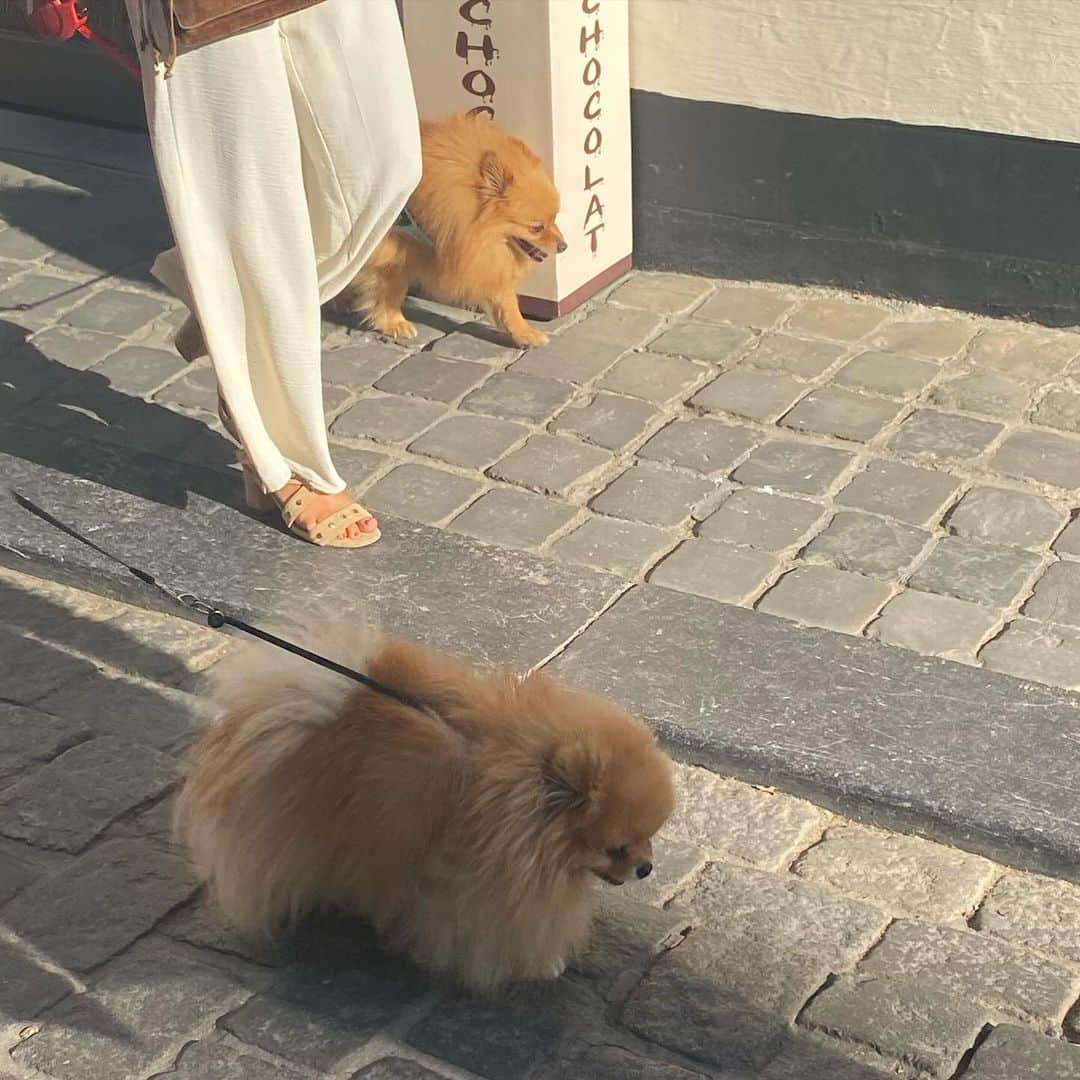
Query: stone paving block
{"x": 904, "y": 874}
{"x": 387, "y": 418}
{"x": 1057, "y": 595}
{"x": 617, "y": 1063}
{"x": 699, "y": 443}
{"x": 479, "y": 343}
{"x": 759, "y": 308}
{"x": 1025, "y": 353}
{"x": 805, "y": 357}
{"x": 924, "y": 1029}
{"x": 420, "y": 493}
{"x": 550, "y": 464}
{"x": 697, "y": 1001}
{"x": 665, "y": 294}
{"x": 1033, "y": 650}
{"x": 15, "y": 875}
{"x": 196, "y": 390}
{"x": 315, "y": 1015}
{"x": 360, "y": 366}
{"x": 837, "y": 319}
{"x": 26, "y": 988}
{"x": 983, "y": 392}
{"x": 22, "y": 246}
{"x": 100, "y": 903}
{"x": 675, "y": 864}
{"x": 429, "y": 376}
{"x": 202, "y": 924}
{"x": 142, "y": 1005}
{"x": 504, "y": 1037}
{"x": 721, "y": 571}
{"x": 217, "y": 1061}
{"x": 867, "y": 544}
{"x": 1004, "y": 516}
{"x": 804, "y": 468}
{"x": 1006, "y": 979}
{"x": 1059, "y": 409}
{"x": 889, "y": 373}
{"x": 756, "y": 825}
{"x": 810, "y": 1058}
{"x": 653, "y": 376}
{"x": 42, "y": 667}
{"x": 937, "y": 338}
{"x": 754, "y": 394}
{"x": 1012, "y": 1053}
{"x": 755, "y": 519}
{"x": 822, "y": 596}
{"x": 29, "y": 737}
{"x": 943, "y": 436}
{"x": 115, "y": 311}
{"x": 1042, "y": 456}
{"x": 590, "y": 347}
{"x": 1036, "y": 912}
{"x": 519, "y": 397}
{"x": 609, "y": 420}
{"x": 1068, "y": 543}
{"x": 139, "y": 371}
{"x": 934, "y": 625}
{"x": 980, "y": 573}
{"x": 652, "y": 494}
{"x": 396, "y": 1069}
{"x": 35, "y": 299}
{"x": 623, "y": 547}
{"x": 625, "y": 938}
{"x": 63, "y": 805}
{"x": 917, "y": 496}
{"x": 843, "y": 413}
{"x": 74, "y": 348}
{"x": 517, "y": 519}
{"x": 703, "y": 341}
{"x": 357, "y": 467}
{"x": 334, "y": 398}
{"x": 157, "y": 646}
{"x": 473, "y": 442}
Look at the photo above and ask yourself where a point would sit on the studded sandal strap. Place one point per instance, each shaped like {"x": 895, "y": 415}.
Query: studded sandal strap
{"x": 338, "y": 522}
{"x": 296, "y": 502}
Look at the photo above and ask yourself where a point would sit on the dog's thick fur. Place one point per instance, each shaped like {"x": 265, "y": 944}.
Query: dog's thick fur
{"x": 488, "y": 205}
{"x": 470, "y": 838}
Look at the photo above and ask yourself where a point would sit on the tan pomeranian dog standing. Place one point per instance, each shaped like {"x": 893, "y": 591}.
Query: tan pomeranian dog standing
{"x": 471, "y": 834}
{"x": 488, "y": 205}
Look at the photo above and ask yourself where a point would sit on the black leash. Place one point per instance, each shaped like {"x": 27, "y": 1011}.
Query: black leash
{"x": 216, "y": 618}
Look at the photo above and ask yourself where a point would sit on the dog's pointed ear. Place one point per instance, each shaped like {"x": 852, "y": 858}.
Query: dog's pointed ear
{"x": 571, "y": 774}
{"x": 495, "y": 177}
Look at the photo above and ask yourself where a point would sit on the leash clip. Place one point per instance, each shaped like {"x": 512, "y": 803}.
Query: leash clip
{"x": 214, "y": 618}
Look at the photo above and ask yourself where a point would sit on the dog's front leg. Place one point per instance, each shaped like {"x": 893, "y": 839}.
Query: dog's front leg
{"x": 506, "y": 315}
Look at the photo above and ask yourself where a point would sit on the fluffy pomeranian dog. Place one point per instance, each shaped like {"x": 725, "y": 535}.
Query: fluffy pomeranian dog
{"x": 488, "y": 204}
{"x": 471, "y": 835}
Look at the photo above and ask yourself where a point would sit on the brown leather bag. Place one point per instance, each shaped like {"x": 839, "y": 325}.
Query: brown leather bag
{"x": 201, "y": 22}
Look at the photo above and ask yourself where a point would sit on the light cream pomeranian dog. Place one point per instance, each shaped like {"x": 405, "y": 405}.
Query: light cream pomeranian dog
{"x": 471, "y": 835}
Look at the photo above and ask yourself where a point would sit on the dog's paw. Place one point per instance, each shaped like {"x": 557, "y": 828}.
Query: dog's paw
{"x": 530, "y": 336}
{"x": 394, "y": 326}
{"x": 556, "y": 969}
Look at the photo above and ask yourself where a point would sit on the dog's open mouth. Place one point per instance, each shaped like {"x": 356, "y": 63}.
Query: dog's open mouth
{"x": 534, "y": 253}
{"x": 608, "y": 878}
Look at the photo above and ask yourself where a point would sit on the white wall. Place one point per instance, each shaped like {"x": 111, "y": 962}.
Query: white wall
{"x": 1010, "y": 66}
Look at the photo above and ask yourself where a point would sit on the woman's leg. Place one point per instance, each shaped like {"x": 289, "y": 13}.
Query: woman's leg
{"x": 227, "y": 145}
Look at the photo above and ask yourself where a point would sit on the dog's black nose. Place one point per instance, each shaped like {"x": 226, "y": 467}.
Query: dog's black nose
{"x": 561, "y": 246}
{"x": 644, "y": 869}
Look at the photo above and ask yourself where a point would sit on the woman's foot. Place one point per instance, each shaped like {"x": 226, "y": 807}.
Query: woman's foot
{"x": 319, "y": 506}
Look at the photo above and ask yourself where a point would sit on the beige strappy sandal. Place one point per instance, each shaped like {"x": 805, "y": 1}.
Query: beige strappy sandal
{"x": 326, "y": 532}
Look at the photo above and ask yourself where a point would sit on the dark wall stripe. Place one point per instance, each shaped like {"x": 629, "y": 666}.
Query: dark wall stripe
{"x": 983, "y": 221}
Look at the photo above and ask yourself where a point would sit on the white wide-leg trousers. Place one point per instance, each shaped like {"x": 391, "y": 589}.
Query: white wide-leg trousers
{"x": 284, "y": 154}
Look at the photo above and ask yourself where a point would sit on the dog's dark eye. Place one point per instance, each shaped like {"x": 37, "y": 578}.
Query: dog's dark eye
{"x": 616, "y": 852}
{"x": 537, "y": 228}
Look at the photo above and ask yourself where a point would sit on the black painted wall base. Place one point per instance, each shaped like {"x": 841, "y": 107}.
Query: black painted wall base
{"x": 967, "y": 219}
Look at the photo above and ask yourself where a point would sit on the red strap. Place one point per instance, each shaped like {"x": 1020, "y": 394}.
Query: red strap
{"x": 61, "y": 20}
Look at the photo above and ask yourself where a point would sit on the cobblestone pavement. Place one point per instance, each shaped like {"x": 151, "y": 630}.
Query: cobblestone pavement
{"x": 876, "y": 468}
{"x": 775, "y": 941}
